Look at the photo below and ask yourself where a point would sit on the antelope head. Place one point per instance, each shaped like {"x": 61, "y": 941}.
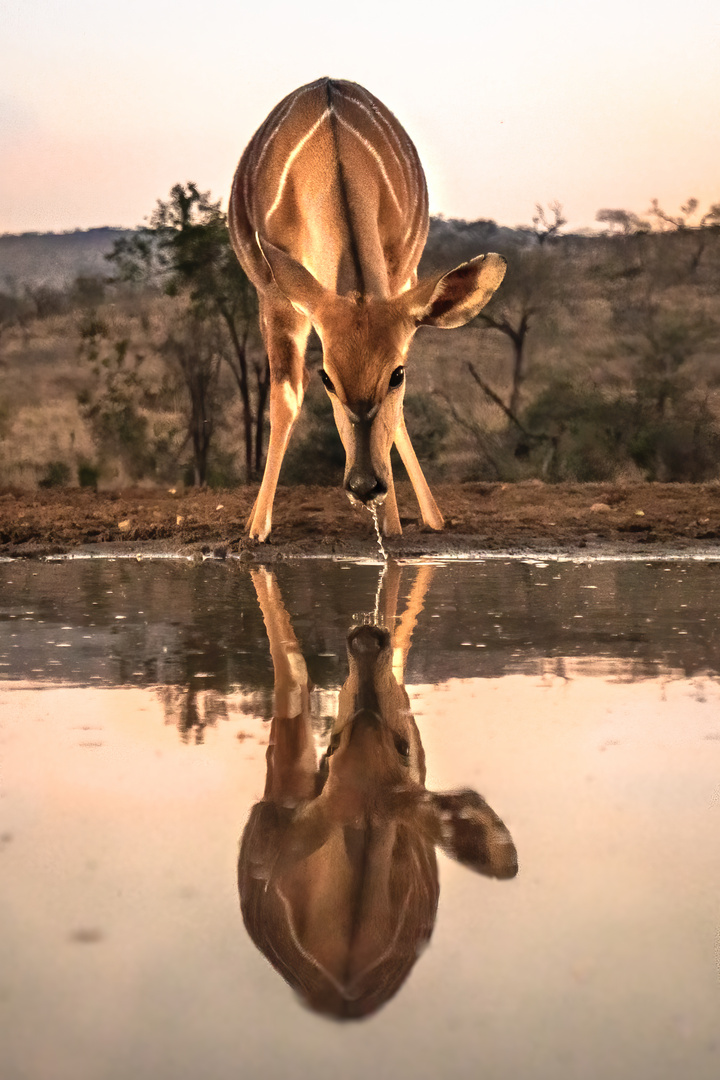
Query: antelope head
{"x": 337, "y": 871}
{"x": 365, "y": 342}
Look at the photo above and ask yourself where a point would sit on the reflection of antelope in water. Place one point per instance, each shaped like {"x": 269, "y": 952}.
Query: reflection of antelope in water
{"x": 337, "y": 872}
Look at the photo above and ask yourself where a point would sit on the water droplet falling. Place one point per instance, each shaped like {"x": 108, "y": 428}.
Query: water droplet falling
{"x": 373, "y": 511}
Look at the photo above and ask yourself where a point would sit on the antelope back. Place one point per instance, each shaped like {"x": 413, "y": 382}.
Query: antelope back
{"x": 332, "y": 179}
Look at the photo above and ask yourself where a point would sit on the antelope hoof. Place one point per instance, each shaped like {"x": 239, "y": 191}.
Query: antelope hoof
{"x": 258, "y": 532}
{"x": 434, "y": 521}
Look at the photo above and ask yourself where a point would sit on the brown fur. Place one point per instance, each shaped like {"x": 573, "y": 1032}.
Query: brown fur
{"x": 337, "y": 871}
{"x": 329, "y": 204}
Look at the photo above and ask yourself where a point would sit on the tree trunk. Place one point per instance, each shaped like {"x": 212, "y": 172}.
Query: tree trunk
{"x": 518, "y": 345}
{"x": 263, "y": 388}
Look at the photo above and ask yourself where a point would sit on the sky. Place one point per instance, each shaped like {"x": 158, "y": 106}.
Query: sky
{"x": 105, "y": 105}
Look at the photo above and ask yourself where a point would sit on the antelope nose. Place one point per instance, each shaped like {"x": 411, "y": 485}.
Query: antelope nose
{"x": 368, "y": 640}
{"x": 365, "y": 486}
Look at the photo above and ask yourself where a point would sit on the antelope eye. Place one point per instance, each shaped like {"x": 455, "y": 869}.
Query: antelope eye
{"x": 332, "y": 746}
{"x": 397, "y": 377}
{"x": 403, "y": 747}
{"x": 327, "y": 381}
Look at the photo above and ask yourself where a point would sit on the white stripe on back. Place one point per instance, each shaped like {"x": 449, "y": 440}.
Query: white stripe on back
{"x": 371, "y": 149}
{"x": 268, "y": 138}
{"x": 288, "y": 164}
{"x": 376, "y": 121}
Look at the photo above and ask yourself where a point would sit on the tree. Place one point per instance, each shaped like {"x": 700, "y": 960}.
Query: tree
{"x": 682, "y": 223}
{"x": 195, "y": 348}
{"x": 547, "y": 226}
{"x": 529, "y": 292}
{"x": 623, "y": 222}
{"x": 185, "y": 249}
{"x": 129, "y": 407}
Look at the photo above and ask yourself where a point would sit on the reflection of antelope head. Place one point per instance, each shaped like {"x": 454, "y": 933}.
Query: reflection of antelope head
{"x": 337, "y": 871}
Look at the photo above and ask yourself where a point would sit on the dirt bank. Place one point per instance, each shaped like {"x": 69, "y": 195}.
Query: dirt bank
{"x": 317, "y": 520}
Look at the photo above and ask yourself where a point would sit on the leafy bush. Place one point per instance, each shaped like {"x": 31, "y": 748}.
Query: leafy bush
{"x": 315, "y": 454}
{"x": 88, "y": 474}
{"x": 428, "y": 425}
{"x": 594, "y": 433}
{"x": 57, "y": 474}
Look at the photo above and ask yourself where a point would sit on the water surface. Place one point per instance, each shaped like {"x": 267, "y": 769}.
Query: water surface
{"x": 580, "y": 700}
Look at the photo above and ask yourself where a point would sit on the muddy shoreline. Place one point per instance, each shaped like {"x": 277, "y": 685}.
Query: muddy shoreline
{"x": 480, "y": 518}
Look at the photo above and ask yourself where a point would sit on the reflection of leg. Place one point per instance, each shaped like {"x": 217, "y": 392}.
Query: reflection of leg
{"x": 428, "y": 507}
{"x": 402, "y": 636}
{"x": 402, "y": 631}
{"x": 291, "y": 761}
{"x": 389, "y": 594}
{"x": 285, "y": 337}
{"x": 291, "y": 677}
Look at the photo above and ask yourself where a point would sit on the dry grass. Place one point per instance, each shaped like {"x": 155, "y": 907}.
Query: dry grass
{"x": 575, "y": 336}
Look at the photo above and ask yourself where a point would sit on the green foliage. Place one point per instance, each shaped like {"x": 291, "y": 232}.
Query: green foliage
{"x": 88, "y": 475}
{"x": 185, "y": 250}
{"x": 57, "y": 474}
{"x": 186, "y": 247}
{"x": 315, "y": 454}
{"x": 428, "y": 425}
{"x": 115, "y": 406}
{"x": 12, "y": 310}
{"x": 586, "y": 429}
{"x": 595, "y": 432}
{"x": 88, "y": 290}
{"x": 681, "y": 446}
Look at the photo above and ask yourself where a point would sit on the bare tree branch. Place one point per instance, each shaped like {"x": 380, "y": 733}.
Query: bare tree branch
{"x": 545, "y": 229}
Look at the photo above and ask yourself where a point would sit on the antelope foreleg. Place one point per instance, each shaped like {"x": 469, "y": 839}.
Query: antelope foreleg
{"x": 391, "y": 517}
{"x": 285, "y": 402}
{"x": 428, "y": 507}
{"x": 285, "y": 332}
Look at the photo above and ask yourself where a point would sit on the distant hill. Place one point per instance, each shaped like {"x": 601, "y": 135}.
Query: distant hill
{"x": 452, "y": 241}
{"x": 54, "y": 259}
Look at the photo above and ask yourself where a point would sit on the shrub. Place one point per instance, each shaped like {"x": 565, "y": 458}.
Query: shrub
{"x": 88, "y": 474}
{"x": 57, "y": 474}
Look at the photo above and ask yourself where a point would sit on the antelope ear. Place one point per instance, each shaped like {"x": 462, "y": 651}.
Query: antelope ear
{"x": 298, "y": 285}
{"x": 470, "y": 831}
{"x": 456, "y": 298}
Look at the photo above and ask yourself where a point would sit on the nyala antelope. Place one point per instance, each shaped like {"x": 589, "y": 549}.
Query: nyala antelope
{"x": 337, "y": 872}
{"x": 329, "y": 216}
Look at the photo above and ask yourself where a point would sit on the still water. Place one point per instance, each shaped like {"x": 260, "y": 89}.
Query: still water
{"x": 483, "y": 829}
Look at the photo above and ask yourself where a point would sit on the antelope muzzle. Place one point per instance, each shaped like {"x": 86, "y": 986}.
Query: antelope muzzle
{"x": 362, "y": 481}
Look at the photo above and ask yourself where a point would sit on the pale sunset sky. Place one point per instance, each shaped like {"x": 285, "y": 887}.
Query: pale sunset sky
{"x": 105, "y": 104}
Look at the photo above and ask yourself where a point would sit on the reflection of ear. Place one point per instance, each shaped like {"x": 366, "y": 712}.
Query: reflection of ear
{"x": 468, "y": 830}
